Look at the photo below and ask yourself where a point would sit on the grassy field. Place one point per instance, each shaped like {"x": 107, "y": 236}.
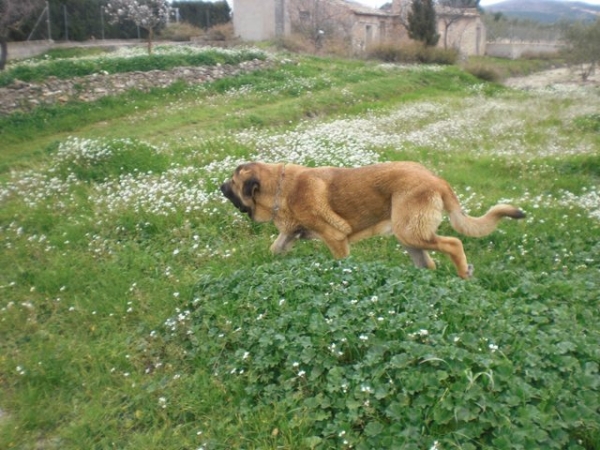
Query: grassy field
{"x": 139, "y": 310}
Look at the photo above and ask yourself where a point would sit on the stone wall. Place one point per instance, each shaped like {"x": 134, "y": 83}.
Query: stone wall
{"x": 22, "y": 96}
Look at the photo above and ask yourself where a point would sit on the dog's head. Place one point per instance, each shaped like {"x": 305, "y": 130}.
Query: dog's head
{"x": 243, "y": 186}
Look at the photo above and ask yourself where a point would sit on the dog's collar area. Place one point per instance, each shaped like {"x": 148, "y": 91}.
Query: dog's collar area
{"x": 276, "y": 204}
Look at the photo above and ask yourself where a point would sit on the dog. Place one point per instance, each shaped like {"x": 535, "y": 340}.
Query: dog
{"x": 340, "y": 206}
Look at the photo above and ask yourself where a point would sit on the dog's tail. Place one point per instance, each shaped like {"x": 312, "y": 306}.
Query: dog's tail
{"x": 477, "y": 226}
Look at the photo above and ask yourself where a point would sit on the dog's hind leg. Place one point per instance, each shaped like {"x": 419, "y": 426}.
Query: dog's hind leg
{"x": 451, "y": 246}
{"x": 416, "y": 228}
{"x": 420, "y": 258}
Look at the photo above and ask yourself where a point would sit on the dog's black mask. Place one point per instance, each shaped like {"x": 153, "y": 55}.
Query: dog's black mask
{"x": 230, "y": 195}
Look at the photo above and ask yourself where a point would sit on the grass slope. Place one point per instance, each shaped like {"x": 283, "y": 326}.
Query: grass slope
{"x": 139, "y": 310}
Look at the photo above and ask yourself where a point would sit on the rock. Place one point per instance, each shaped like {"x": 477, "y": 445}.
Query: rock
{"x": 18, "y": 84}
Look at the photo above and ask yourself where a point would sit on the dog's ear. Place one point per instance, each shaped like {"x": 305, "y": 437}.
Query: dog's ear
{"x": 250, "y": 187}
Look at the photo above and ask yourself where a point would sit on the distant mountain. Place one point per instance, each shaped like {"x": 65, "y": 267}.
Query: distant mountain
{"x": 546, "y": 11}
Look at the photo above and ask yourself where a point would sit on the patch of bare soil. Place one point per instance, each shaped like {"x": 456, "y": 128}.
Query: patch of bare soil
{"x": 553, "y": 77}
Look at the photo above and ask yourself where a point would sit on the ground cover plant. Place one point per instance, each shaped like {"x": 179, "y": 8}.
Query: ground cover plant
{"x": 138, "y": 309}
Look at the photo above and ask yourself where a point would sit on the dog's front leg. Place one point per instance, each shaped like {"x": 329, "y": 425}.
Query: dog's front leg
{"x": 283, "y": 243}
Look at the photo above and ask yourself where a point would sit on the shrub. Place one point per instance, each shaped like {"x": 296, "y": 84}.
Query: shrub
{"x": 180, "y": 32}
{"x": 484, "y": 72}
{"x": 294, "y": 43}
{"x": 544, "y": 56}
{"x": 412, "y": 53}
{"x": 221, "y": 32}
{"x": 436, "y": 55}
{"x": 387, "y": 52}
{"x": 298, "y": 43}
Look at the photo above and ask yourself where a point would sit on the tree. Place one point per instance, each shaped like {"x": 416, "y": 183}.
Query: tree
{"x": 422, "y": 22}
{"x": 80, "y": 20}
{"x": 203, "y": 14}
{"x": 12, "y": 15}
{"x": 583, "y": 47}
{"x": 146, "y": 14}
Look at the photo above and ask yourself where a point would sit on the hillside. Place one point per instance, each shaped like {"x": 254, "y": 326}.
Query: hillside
{"x": 140, "y": 310}
{"x": 547, "y": 11}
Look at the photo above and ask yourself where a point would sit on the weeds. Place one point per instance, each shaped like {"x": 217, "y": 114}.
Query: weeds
{"x": 393, "y": 53}
{"x": 485, "y": 73}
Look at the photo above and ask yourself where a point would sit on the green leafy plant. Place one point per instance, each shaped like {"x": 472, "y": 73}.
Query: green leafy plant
{"x": 377, "y": 356}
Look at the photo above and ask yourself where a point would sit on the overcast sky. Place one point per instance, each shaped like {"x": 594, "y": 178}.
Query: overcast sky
{"x": 378, "y": 3}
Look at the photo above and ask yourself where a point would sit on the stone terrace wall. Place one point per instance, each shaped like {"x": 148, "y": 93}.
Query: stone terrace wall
{"x": 22, "y": 96}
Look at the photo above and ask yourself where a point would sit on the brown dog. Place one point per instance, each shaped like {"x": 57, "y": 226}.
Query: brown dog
{"x": 342, "y": 205}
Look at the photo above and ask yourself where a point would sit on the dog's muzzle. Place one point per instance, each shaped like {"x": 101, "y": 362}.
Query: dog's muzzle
{"x": 230, "y": 195}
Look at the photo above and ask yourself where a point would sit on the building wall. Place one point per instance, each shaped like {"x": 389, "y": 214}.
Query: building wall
{"x": 370, "y": 30}
{"x": 357, "y": 26}
{"x": 467, "y": 35}
{"x": 255, "y": 20}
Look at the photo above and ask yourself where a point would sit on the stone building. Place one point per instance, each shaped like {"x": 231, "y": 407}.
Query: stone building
{"x": 355, "y": 25}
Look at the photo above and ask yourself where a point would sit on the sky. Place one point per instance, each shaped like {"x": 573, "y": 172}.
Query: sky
{"x": 378, "y": 3}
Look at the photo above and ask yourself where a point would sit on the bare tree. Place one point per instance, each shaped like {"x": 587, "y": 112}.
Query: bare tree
{"x": 146, "y": 14}
{"x": 12, "y": 15}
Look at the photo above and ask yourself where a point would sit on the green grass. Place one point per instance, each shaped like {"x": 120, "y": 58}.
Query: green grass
{"x": 67, "y": 66}
{"x": 139, "y": 310}
{"x": 277, "y": 97}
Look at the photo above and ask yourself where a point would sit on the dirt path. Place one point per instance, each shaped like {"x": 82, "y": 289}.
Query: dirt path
{"x": 561, "y": 76}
